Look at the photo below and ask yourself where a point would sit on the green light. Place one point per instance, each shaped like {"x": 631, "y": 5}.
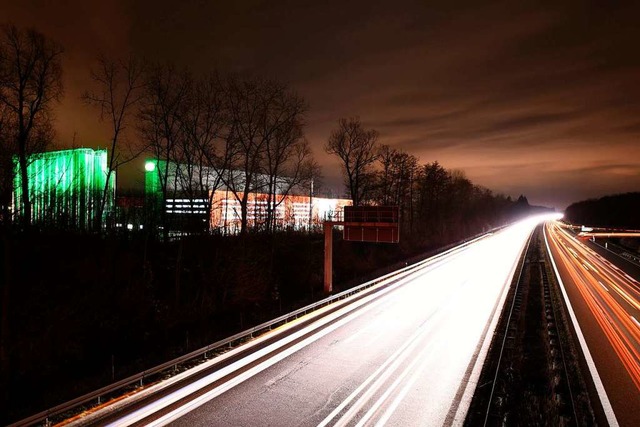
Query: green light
{"x": 65, "y": 187}
{"x": 150, "y": 166}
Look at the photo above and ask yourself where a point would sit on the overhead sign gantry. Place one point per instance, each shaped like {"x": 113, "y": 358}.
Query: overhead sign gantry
{"x": 377, "y": 224}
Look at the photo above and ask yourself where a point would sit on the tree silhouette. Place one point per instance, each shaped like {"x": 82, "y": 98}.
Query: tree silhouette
{"x": 120, "y": 90}
{"x": 30, "y": 82}
{"x": 355, "y": 146}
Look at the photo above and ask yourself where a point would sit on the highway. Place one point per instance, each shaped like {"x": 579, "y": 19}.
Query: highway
{"x": 407, "y": 353}
{"x": 606, "y": 303}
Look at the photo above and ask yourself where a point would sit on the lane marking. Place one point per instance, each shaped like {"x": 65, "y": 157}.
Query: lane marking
{"x": 591, "y": 266}
{"x": 201, "y": 400}
{"x": 378, "y": 404}
{"x": 400, "y": 397}
{"x": 602, "y": 393}
{"x": 396, "y": 357}
{"x": 349, "y": 311}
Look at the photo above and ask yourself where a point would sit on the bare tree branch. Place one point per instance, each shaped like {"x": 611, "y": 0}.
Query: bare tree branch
{"x": 120, "y": 88}
{"x": 355, "y": 146}
{"x": 30, "y": 82}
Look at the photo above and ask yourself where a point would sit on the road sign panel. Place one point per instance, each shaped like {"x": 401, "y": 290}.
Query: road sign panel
{"x": 377, "y": 224}
{"x": 387, "y": 214}
{"x": 364, "y": 233}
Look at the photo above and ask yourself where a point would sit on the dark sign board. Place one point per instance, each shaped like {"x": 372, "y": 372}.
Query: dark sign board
{"x": 371, "y": 214}
{"x": 377, "y": 224}
{"x": 371, "y": 234}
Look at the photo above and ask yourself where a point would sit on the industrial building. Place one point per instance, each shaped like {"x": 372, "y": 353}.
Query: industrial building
{"x": 189, "y": 205}
{"x": 65, "y": 188}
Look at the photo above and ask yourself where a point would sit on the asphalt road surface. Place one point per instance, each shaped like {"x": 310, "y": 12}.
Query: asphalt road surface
{"x": 407, "y": 355}
{"x": 606, "y": 302}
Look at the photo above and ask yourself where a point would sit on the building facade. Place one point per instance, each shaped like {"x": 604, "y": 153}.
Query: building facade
{"x": 189, "y": 204}
{"x": 65, "y": 188}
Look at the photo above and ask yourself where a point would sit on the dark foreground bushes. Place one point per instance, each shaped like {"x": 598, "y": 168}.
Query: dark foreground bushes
{"x": 86, "y": 310}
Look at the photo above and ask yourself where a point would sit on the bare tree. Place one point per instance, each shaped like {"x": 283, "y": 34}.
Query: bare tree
{"x": 266, "y": 143}
{"x": 7, "y": 151}
{"x": 288, "y": 161}
{"x": 248, "y": 104}
{"x": 120, "y": 90}
{"x": 355, "y": 146}
{"x": 203, "y": 150}
{"x": 166, "y": 94}
{"x": 433, "y": 186}
{"x": 396, "y": 180}
{"x": 296, "y": 172}
{"x": 30, "y": 82}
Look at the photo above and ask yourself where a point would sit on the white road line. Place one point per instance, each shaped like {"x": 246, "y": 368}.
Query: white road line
{"x": 591, "y": 266}
{"x": 377, "y": 384}
{"x": 209, "y": 379}
{"x": 383, "y": 398}
{"x": 399, "y": 354}
{"x": 602, "y": 393}
{"x": 396, "y": 402}
{"x": 201, "y": 400}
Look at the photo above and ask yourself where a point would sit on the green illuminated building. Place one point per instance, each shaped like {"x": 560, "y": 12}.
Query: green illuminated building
{"x": 153, "y": 168}
{"x": 65, "y": 187}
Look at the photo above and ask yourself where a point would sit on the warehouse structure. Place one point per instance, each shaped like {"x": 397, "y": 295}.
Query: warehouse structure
{"x": 198, "y": 199}
{"x": 65, "y": 188}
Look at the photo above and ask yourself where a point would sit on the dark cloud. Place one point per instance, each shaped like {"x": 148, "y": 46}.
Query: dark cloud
{"x": 526, "y": 97}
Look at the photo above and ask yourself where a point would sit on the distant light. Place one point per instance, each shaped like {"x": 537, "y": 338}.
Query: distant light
{"x": 150, "y": 166}
{"x": 129, "y": 226}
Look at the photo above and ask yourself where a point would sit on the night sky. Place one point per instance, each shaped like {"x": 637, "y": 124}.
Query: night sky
{"x": 540, "y": 99}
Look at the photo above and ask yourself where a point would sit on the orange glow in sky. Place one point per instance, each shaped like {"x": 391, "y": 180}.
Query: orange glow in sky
{"x": 541, "y": 102}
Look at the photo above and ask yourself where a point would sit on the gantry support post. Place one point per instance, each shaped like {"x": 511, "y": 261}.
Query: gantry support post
{"x": 328, "y": 257}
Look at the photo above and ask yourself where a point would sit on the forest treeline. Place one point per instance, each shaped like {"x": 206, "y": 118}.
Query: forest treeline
{"x": 615, "y": 211}
{"x": 243, "y": 133}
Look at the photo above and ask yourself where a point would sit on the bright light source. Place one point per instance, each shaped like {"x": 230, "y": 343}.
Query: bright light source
{"x": 129, "y": 226}
{"x": 150, "y": 166}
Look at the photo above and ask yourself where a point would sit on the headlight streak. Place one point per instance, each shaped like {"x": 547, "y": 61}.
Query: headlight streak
{"x": 355, "y": 309}
{"x": 451, "y": 310}
{"x": 597, "y": 381}
{"x": 598, "y": 287}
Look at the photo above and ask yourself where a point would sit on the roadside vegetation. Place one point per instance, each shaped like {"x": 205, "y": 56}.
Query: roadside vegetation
{"x": 614, "y": 211}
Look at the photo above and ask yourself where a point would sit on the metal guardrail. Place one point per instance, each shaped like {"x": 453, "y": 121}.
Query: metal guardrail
{"x": 138, "y": 379}
{"x": 522, "y": 261}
